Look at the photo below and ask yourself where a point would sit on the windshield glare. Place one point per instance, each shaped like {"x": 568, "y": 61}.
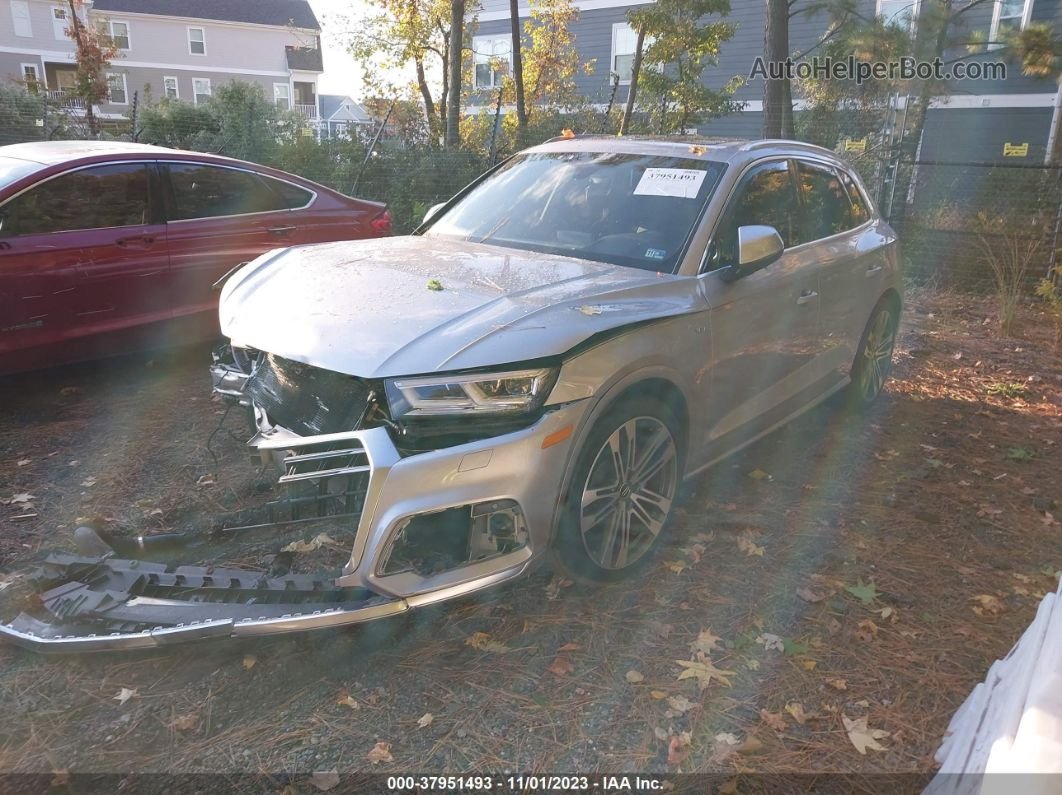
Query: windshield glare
{"x": 12, "y": 169}
{"x": 620, "y": 208}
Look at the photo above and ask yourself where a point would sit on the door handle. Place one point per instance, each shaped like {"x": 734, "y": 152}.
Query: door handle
{"x": 807, "y": 296}
{"x": 281, "y": 230}
{"x": 874, "y": 270}
{"x": 136, "y": 241}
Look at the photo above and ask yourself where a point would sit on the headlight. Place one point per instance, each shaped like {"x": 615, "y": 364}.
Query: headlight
{"x": 511, "y": 392}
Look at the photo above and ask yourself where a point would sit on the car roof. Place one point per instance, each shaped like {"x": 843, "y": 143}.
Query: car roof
{"x": 728, "y": 150}
{"x": 50, "y": 153}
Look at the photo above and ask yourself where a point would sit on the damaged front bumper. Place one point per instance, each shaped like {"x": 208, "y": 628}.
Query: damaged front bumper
{"x": 426, "y": 528}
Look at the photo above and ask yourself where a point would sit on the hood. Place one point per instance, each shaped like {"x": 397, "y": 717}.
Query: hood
{"x": 364, "y": 307}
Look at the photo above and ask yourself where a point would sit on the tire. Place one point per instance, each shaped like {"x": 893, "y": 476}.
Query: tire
{"x": 873, "y": 360}
{"x": 610, "y": 526}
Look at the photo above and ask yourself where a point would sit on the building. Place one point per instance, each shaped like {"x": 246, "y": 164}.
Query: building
{"x": 180, "y": 49}
{"x": 983, "y": 121}
{"x": 342, "y": 117}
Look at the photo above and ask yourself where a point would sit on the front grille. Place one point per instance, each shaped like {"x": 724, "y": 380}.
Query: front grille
{"x": 306, "y": 399}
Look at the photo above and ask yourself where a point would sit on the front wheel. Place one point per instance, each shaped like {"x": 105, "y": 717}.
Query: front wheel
{"x": 874, "y": 357}
{"x": 621, "y": 493}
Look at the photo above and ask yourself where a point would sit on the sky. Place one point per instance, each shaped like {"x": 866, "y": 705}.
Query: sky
{"x": 342, "y": 75}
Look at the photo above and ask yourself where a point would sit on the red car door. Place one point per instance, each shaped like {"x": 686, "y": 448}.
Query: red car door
{"x": 83, "y": 256}
{"x": 219, "y": 216}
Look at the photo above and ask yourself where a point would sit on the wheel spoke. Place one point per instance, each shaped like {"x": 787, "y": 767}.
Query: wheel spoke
{"x": 624, "y": 538}
{"x": 642, "y": 501}
{"x": 592, "y": 519}
{"x": 608, "y": 541}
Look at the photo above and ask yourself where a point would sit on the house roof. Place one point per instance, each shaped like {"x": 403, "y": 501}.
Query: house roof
{"x": 259, "y": 12}
{"x": 306, "y": 59}
{"x": 333, "y": 104}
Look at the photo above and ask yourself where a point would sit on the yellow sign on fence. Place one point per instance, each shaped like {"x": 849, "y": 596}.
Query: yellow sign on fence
{"x": 858, "y": 145}
{"x": 1015, "y": 150}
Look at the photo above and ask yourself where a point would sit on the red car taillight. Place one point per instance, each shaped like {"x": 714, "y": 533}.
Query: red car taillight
{"x": 381, "y": 224}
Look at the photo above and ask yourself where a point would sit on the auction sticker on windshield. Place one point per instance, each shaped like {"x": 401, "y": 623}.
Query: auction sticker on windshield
{"x": 680, "y": 182}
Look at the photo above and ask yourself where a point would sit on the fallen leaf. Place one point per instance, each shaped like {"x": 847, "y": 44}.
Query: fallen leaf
{"x": 314, "y": 543}
{"x": 809, "y": 665}
{"x": 796, "y": 709}
{"x": 724, "y": 746}
{"x": 759, "y": 474}
{"x": 324, "y": 780}
{"x": 862, "y": 737}
{"x": 23, "y": 462}
{"x": 88, "y": 482}
{"x": 425, "y": 720}
{"x": 658, "y": 695}
{"x": 678, "y": 748}
{"x": 703, "y": 671}
{"x": 677, "y": 566}
{"x": 838, "y": 684}
{"x": 381, "y": 752}
{"x": 661, "y": 734}
{"x": 752, "y": 745}
{"x": 249, "y": 661}
{"x": 482, "y": 641}
{"x": 569, "y": 647}
{"x": 634, "y": 677}
{"x": 346, "y": 700}
{"x": 561, "y": 666}
{"x": 22, "y": 498}
{"x": 679, "y": 705}
{"x": 706, "y": 641}
{"x": 770, "y": 642}
{"x": 867, "y": 630}
{"x": 810, "y": 596}
{"x": 205, "y": 480}
{"x": 864, "y": 592}
{"x": 587, "y": 309}
{"x": 752, "y": 664}
{"x": 986, "y": 603}
{"x": 124, "y": 695}
{"x": 746, "y": 543}
{"x": 434, "y": 285}
{"x": 185, "y": 723}
{"x": 773, "y": 719}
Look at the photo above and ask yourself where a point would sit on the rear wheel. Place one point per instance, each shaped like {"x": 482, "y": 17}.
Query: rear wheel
{"x": 621, "y": 493}
{"x": 874, "y": 357}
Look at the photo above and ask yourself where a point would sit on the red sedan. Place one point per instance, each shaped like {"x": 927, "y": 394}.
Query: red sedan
{"x": 111, "y": 247}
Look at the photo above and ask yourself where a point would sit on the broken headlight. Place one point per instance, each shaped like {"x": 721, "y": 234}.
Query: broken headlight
{"x": 510, "y": 392}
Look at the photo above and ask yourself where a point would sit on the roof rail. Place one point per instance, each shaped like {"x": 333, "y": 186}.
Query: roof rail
{"x": 767, "y": 142}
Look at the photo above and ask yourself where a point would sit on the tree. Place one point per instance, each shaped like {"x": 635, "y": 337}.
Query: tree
{"x": 777, "y": 108}
{"x": 681, "y": 46}
{"x": 453, "y": 101}
{"x": 93, "y": 51}
{"x": 632, "y": 89}
{"x": 400, "y": 33}
{"x": 518, "y": 71}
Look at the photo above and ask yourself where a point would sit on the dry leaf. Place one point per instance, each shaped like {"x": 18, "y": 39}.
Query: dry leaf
{"x": 680, "y": 705}
{"x": 986, "y": 603}
{"x": 770, "y": 642}
{"x": 482, "y": 641}
{"x": 425, "y": 720}
{"x": 185, "y": 723}
{"x": 706, "y": 642}
{"x": 561, "y": 666}
{"x": 796, "y": 709}
{"x": 773, "y": 719}
{"x": 324, "y": 780}
{"x": 724, "y": 747}
{"x": 809, "y": 595}
{"x": 747, "y": 543}
{"x": 569, "y": 647}
{"x": 87, "y": 482}
{"x": 809, "y": 665}
{"x": 677, "y": 566}
{"x": 381, "y": 752}
{"x": 867, "y": 630}
{"x": 657, "y": 695}
{"x": 634, "y": 677}
{"x": 314, "y": 543}
{"x": 661, "y": 734}
{"x": 838, "y": 684}
{"x": 703, "y": 671}
{"x": 346, "y": 700}
{"x": 22, "y": 462}
{"x": 124, "y": 695}
{"x": 759, "y": 474}
{"x": 678, "y": 748}
{"x": 862, "y": 737}
{"x": 249, "y": 661}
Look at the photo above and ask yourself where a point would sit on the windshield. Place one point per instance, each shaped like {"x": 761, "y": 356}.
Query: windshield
{"x": 12, "y": 169}
{"x": 620, "y": 208}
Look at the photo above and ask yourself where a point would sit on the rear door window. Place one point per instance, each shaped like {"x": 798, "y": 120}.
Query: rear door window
{"x": 198, "y": 190}
{"x": 100, "y": 197}
{"x": 860, "y": 210}
{"x": 827, "y": 210}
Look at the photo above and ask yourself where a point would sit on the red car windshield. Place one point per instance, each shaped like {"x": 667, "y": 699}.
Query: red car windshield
{"x": 621, "y": 208}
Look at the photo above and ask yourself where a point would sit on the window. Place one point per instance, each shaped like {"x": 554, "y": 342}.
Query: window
{"x": 1009, "y": 16}
{"x": 764, "y": 197}
{"x": 119, "y": 198}
{"x": 202, "y": 191}
{"x": 903, "y": 13}
{"x": 116, "y": 89}
{"x": 201, "y": 89}
{"x": 493, "y": 59}
{"x": 827, "y": 210}
{"x": 197, "y": 41}
{"x": 624, "y": 43}
{"x": 31, "y": 77}
{"x": 59, "y": 22}
{"x": 120, "y": 34}
{"x": 20, "y": 17}
{"x": 170, "y": 89}
{"x": 282, "y": 95}
{"x": 860, "y": 210}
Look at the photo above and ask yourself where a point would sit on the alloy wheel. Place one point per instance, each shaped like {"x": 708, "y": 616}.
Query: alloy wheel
{"x": 628, "y": 492}
{"x": 877, "y": 355}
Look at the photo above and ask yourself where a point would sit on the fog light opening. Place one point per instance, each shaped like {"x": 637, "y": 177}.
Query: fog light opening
{"x": 431, "y": 543}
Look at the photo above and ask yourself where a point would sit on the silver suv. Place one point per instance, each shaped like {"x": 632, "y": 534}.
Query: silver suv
{"x": 537, "y": 368}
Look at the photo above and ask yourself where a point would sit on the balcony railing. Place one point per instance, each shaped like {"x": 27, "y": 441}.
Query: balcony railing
{"x": 67, "y": 100}
{"x": 308, "y": 111}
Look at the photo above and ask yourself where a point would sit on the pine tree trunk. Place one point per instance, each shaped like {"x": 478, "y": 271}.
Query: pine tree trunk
{"x": 518, "y": 74}
{"x": 453, "y": 103}
{"x": 775, "y": 51}
{"x": 632, "y": 89}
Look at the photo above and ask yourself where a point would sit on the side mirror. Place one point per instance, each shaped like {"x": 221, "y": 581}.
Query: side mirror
{"x": 432, "y": 211}
{"x": 758, "y": 247}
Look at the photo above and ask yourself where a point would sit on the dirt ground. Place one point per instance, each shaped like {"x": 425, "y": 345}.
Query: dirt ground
{"x": 844, "y": 581}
